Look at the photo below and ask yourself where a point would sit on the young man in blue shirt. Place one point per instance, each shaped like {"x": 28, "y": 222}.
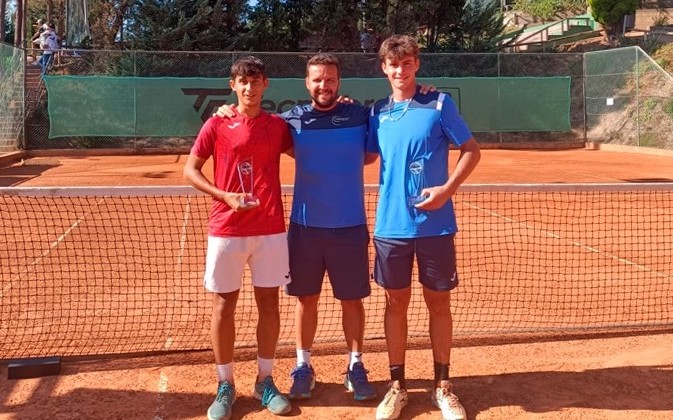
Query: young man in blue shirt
{"x": 415, "y": 217}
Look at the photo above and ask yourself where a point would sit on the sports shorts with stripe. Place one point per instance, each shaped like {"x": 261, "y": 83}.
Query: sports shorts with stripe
{"x": 436, "y": 259}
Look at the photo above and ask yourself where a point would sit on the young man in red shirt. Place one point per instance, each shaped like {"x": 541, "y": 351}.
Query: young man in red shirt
{"x": 246, "y": 226}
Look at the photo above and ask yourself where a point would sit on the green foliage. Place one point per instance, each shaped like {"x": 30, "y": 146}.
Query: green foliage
{"x": 8, "y": 36}
{"x": 187, "y": 25}
{"x": 668, "y": 108}
{"x": 651, "y": 140}
{"x": 647, "y": 108}
{"x": 478, "y": 27}
{"x": 611, "y": 12}
{"x": 333, "y": 26}
{"x": 548, "y": 9}
{"x": 283, "y": 25}
{"x": 443, "y": 28}
{"x": 663, "y": 55}
{"x": 277, "y": 25}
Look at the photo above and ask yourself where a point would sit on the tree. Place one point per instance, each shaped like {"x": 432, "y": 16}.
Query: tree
{"x": 187, "y": 25}
{"x": 442, "y": 19}
{"x": 387, "y": 17}
{"x": 278, "y": 25}
{"x": 334, "y": 26}
{"x": 3, "y": 21}
{"x": 18, "y": 23}
{"x": 106, "y": 19}
{"x": 480, "y": 27}
{"x": 610, "y": 14}
{"x": 8, "y": 31}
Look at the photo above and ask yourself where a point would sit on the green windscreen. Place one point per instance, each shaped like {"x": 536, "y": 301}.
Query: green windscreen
{"x": 11, "y": 96}
{"x": 163, "y": 107}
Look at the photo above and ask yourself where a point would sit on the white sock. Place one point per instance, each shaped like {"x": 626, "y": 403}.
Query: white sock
{"x": 355, "y": 357}
{"x": 225, "y": 372}
{"x": 303, "y": 356}
{"x": 264, "y": 368}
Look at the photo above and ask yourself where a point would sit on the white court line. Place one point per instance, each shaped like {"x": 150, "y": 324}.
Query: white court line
{"x": 575, "y": 243}
{"x": 47, "y": 251}
{"x": 183, "y": 239}
{"x": 162, "y": 389}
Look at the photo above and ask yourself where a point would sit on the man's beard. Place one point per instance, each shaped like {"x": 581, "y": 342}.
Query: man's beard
{"x": 325, "y": 104}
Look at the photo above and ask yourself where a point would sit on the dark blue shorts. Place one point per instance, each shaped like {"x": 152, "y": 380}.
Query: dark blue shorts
{"x": 341, "y": 252}
{"x": 435, "y": 255}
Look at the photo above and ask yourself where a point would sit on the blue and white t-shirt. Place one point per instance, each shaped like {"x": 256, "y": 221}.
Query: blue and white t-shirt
{"x": 329, "y": 150}
{"x": 413, "y": 138}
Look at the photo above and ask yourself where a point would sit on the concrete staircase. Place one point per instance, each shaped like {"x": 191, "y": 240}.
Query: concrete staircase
{"x": 35, "y": 89}
{"x": 568, "y": 29}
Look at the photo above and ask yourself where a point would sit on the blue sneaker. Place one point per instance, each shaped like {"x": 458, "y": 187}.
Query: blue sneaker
{"x": 356, "y": 381}
{"x": 220, "y": 409}
{"x": 271, "y": 397}
{"x": 303, "y": 382}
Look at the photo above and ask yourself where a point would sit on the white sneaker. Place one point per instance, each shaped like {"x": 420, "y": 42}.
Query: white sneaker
{"x": 393, "y": 402}
{"x": 444, "y": 399}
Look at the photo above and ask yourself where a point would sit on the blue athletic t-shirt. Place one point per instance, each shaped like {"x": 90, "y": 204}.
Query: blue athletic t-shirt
{"x": 413, "y": 138}
{"x": 329, "y": 151}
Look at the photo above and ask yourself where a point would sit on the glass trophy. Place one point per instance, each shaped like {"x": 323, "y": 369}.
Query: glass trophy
{"x": 246, "y": 179}
{"x": 416, "y": 183}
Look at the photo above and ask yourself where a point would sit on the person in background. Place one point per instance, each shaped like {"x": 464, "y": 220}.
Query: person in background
{"x": 246, "y": 227}
{"x": 415, "y": 218}
{"x": 40, "y": 26}
{"x": 50, "y": 46}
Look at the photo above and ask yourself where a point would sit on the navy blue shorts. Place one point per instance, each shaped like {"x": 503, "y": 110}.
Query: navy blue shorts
{"x": 341, "y": 252}
{"x": 435, "y": 255}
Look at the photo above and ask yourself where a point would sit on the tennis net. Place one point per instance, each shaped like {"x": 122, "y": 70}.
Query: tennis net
{"x": 109, "y": 270}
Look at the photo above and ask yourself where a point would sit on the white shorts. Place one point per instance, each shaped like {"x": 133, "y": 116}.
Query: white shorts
{"x": 265, "y": 255}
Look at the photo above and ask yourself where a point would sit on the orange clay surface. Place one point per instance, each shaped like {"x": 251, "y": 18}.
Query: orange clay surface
{"x": 607, "y": 378}
{"x": 496, "y": 166}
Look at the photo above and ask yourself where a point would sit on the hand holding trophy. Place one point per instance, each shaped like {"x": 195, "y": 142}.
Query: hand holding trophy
{"x": 417, "y": 183}
{"x": 245, "y": 176}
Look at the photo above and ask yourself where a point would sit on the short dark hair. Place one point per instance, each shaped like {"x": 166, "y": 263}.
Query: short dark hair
{"x": 248, "y": 66}
{"x": 324, "y": 60}
{"x": 397, "y": 47}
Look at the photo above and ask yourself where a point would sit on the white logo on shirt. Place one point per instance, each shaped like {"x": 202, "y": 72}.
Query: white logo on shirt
{"x": 307, "y": 122}
{"x": 339, "y": 120}
{"x": 234, "y": 125}
{"x": 383, "y": 118}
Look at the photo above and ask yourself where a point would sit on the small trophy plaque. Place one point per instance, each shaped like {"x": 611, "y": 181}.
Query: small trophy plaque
{"x": 246, "y": 179}
{"x": 416, "y": 183}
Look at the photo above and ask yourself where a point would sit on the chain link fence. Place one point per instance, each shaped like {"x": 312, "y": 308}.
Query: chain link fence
{"x": 629, "y": 99}
{"x": 11, "y": 97}
{"x": 284, "y": 65}
{"x": 616, "y": 96}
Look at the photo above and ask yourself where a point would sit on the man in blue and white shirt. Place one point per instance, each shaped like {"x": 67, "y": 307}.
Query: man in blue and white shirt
{"x": 415, "y": 217}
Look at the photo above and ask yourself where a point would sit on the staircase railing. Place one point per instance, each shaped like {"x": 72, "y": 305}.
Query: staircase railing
{"x": 546, "y": 31}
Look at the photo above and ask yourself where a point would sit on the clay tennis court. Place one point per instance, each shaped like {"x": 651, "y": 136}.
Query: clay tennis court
{"x": 626, "y": 375}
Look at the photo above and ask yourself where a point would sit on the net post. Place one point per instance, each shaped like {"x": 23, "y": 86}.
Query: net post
{"x": 33, "y": 367}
